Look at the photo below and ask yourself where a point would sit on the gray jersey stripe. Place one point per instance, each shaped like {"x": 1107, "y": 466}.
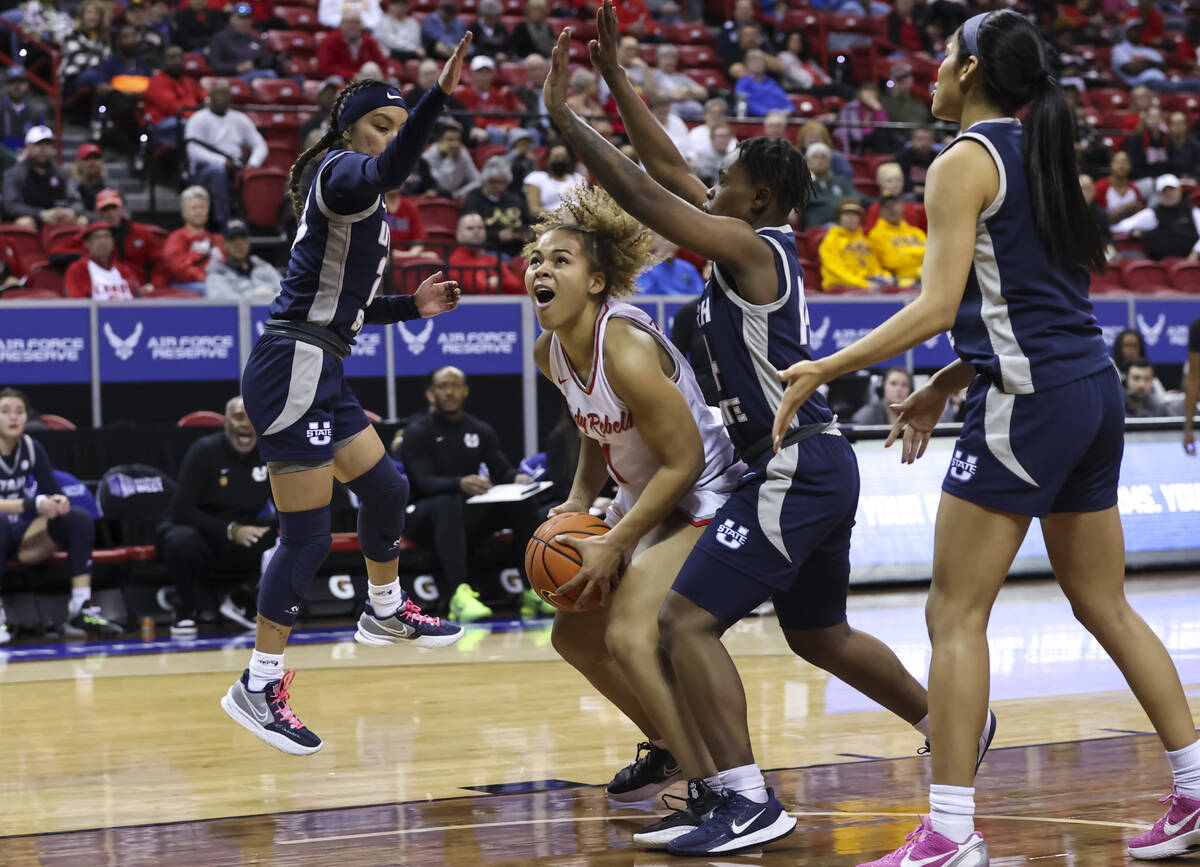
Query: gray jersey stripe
{"x": 1014, "y": 363}
{"x": 307, "y": 361}
{"x": 772, "y": 493}
{"x": 997, "y": 425}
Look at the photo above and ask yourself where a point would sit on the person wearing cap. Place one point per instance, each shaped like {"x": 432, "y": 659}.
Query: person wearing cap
{"x": 19, "y": 112}
{"x": 496, "y": 109}
{"x": 442, "y": 30}
{"x": 899, "y": 246}
{"x": 1135, "y": 63}
{"x": 847, "y": 257}
{"x": 171, "y": 95}
{"x": 331, "y": 12}
{"x": 398, "y": 33}
{"x": 897, "y": 99}
{"x": 99, "y": 274}
{"x": 451, "y": 167}
{"x": 237, "y": 50}
{"x": 489, "y": 35}
{"x": 36, "y": 191}
{"x": 90, "y": 174}
{"x": 196, "y": 25}
{"x": 240, "y": 276}
{"x": 134, "y": 244}
{"x": 505, "y": 213}
{"x": 326, "y": 97}
{"x": 1171, "y": 228}
{"x": 188, "y": 250}
{"x": 344, "y": 51}
{"x": 217, "y": 137}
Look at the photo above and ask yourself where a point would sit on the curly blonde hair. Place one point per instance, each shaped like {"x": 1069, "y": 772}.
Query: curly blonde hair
{"x": 619, "y": 246}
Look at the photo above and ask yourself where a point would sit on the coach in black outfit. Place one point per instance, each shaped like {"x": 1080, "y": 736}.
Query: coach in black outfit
{"x": 443, "y": 452}
{"x": 214, "y": 519}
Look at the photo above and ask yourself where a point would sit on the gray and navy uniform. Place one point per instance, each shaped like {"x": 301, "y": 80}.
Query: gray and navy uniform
{"x": 785, "y": 532}
{"x": 294, "y": 386}
{"x": 1044, "y": 423}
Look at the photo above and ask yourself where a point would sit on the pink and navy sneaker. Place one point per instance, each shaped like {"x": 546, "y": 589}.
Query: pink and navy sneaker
{"x": 927, "y": 848}
{"x": 1173, "y": 834}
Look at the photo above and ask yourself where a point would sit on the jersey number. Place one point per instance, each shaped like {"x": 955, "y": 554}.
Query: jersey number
{"x": 385, "y": 236}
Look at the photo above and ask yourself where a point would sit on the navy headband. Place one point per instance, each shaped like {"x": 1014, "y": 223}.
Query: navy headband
{"x": 368, "y": 99}
{"x": 970, "y": 32}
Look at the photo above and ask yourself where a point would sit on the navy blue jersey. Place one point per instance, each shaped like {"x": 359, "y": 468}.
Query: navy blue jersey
{"x": 1024, "y": 322}
{"x": 26, "y": 473}
{"x": 748, "y": 344}
{"x": 341, "y": 244}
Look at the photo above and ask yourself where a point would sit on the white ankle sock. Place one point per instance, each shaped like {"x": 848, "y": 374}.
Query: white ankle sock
{"x": 79, "y": 595}
{"x": 714, "y": 783}
{"x": 747, "y": 781}
{"x": 386, "y": 599}
{"x": 922, "y": 725}
{"x": 952, "y": 811}
{"x": 1185, "y": 766}
{"x": 264, "y": 668}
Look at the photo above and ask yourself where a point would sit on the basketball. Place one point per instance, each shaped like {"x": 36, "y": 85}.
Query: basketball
{"x": 550, "y": 565}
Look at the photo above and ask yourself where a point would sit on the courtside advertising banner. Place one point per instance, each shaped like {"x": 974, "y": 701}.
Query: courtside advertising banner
{"x": 475, "y": 338}
{"x": 40, "y": 345}
{"x": 1164, "y": 324}
{"x": 154, "y": 344}
{"x": 368, "y": 357}
{"x": 834, "y": 326}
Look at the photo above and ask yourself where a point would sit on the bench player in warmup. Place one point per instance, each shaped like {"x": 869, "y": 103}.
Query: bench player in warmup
{"x": 1005, "y": 270}
{"x": 310, "y": 425}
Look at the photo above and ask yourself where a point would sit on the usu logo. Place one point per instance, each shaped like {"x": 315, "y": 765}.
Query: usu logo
{"x": 732, "y": 535}
{"x": 963, "y": 467}
{"x": 319, "y": 433}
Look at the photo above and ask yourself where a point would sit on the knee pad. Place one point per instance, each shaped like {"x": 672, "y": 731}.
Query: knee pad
{"x": 383, "y": 494}
{"x": 303, "y": 545}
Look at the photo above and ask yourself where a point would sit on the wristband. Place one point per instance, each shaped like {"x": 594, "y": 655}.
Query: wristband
{"x": 229, "y": 530}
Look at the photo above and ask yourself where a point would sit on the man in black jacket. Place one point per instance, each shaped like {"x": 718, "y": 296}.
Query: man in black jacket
{"x": 237, "y": 50}
{"x": 216, "y": 520}
{"x": 449, "y": 456}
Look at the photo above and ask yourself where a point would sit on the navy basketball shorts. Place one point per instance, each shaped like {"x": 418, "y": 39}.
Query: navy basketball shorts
{"x": 1035, "y": 454}
{"x": 298, "y": 401}
{"x": 783, "y": 535}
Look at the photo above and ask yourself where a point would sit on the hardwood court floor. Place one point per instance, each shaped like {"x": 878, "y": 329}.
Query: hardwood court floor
{"x": 125, "y": 756}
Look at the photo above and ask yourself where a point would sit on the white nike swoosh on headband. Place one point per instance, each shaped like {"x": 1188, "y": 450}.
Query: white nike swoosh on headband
{"x": 397, "y": 98}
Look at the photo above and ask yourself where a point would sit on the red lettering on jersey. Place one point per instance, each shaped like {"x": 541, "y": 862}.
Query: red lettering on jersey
{"x": 594, "y": 424}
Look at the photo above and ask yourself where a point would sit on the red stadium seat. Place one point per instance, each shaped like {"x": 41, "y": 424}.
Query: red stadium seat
{"x": 485, "y": 152}
{"x": 1129, "y": 244}
{"x": 439, "y": 215}
{"x": 57, "y": 422}
{"x": 242, "y": 93}
{"x": 202, "y": 418}
{"x": 25, "y": 242}
{"x": 264, "y": 190}
{"x": 742, "y": 130}
{"x": 1109, "y": 99}
{"x": 867, "y": 186}
{"x": 196, "y": 65}
{"x": 693, "y": 56}
{"x": 42, "y": 276}
{"x": 689, "y": 34}
{"x": 711, "y": 78}
{"x": 300, "y": 18}
{"x": 29, "y": 295}
{"x": 1185, "y": 102}
{"x": 1107, "y": 282}
{"x": 278, "y": 91}
{"x": 1143, "y": 275}
{"x": 281, "y": 127}
{"x": 175, "y": 292}
{"x": 1184, "y": 276}
{"x": 805, "y": 106}
{"x": 298, "y": 43}
{"x": 280, "y": 156}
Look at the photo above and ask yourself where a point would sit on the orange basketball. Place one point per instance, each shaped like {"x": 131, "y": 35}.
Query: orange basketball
{"x": 550, "y": 565}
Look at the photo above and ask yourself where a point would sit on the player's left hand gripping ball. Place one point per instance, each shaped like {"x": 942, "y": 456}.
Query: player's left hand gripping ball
{"x": 435, "y": 295}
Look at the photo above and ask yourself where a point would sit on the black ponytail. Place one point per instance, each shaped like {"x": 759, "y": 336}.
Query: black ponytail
{"x": 331, "y": 137}
{"x": 1015, "y": 73}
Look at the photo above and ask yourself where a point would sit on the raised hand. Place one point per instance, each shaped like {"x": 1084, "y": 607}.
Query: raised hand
{"x": 452, "y": 71}
{"x": 603, "y": 49}
{"x": 554, "y": 90}
{"x": 435, "y": 295}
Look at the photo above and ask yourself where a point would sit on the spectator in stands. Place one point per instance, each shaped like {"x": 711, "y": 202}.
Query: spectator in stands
{"x": 491, "y": 38}
{"x": 686, "y": 94}
{"x": 216, "y": 137}
{"x": 220, "y": 520}
{"x": 478, "y": 272}
{"x": 1116, "y": 194}
{"x": 169, "y": 96}
{"x": 326, "y": 97}
{"x": 828, "y": 189}
{"x": 729, "y": 47}
{"x": 751, "y": 39}
{"x": 534, "y": 35}
{"x": 46, "y": 20}
{"x": 444, "y": 452}
{"x": 427, "y": 75}
{"x": 19, "y": 112}
{"x": 158, "y": 19}
{"x": 775, "y": 124}
{"x": 90, "y": 174}
{"x": 757, "y": 92}
{"x": 331, "y": 13}
{"x": 897, "y": 385}
{"x": 673, "y": 125}
{"x": 915, "y": 160}
{"x": 629, "y": 59}
{"x": 1135, "y": 63}
{"x": 238, "y": 51}
{"x": 898, "y": 102}
{"x": 149, "y": 41}
{"x": 707, "y": 163}
{"x": 135, "y": 244}
{"x": 1183, "y": 148}
{"x": 450, "y": 165}
{"x": 803, "y": 73}
{"x": 87, "y": 46}
{"x": 11, "y": 273}
{"x": 545, "y": 190}
{"x": 36, "y": 518}
{"x": 118, "y": 83}
{"x": 585, "y": 101}
{"x": 906, "y": 29}
{"x": 239, "y": 275}
{"x": 1147, "y": 147}
{"x": 496, "y": 109}
{"x": 700, "y": 139}
{"x": 398, "y": 33}
{"x": 442, "y": 31}
{"x": 890, "y": 178}
{"x": 505, "y": 213}
{"x": 188, "y": 250}
{"x": 1140, "y": 401}
{"x": 670, "y": 275}
{"x": 530, "y": 95}
{"x": 856, "y": 130}
{"x": 99, "y": 274}
{"x": 344, "y": 51}
{"x": 1088, "y": 186}
{"x": 1154, "y": 29}
{"x": 36, "y": 191}
{"x": 520, "y": 159}
{"x": 196, "y": 25}
{"x": 405, "y": 224}
{"x": 813, "y": 131}
{"x": 899, "y": 246}
{"x": 847, "y": 258}
{"x": 1171, "y": 228}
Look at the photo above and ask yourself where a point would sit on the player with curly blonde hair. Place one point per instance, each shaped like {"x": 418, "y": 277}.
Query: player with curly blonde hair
{"x": 643, "y": 421}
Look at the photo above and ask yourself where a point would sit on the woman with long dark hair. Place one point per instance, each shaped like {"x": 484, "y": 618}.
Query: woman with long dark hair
{"x": 1010, "y": 242}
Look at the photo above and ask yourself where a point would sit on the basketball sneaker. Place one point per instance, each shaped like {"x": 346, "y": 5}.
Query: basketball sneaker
{"x": 927, "y": 848}
{"x": 1173, "y": 834}
{"x": 465, "y": 606}
{"x": 697, "y": 807}
{"x": 735, "y": 825}
{"x": 5, "y": 635}
{"x": 534, "y": 606}
{"x": 646, "y": 776}
{"x": 268, "y": 716}
{"x": 88, "y": 621}
{"x": 184, "y": 627}
{"x": 406, "y": 625}
{"x": 240, "y": 611}
{"x": 985, "y": 741}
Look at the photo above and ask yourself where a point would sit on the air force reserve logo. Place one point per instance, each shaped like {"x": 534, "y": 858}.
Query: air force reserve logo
{"x": 123, "y": 346}
{"x": 732, "y": 535}
{"x": 1152, "y": 332}
{"x": 319, "y": 433}
{"x": 963, "y": 466}
{"x": 416, "y": 342}
{"x": 816, "y": 336}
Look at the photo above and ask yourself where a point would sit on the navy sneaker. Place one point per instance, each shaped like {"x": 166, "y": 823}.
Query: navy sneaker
{"x": 268, "y": 715}
{"x": 695, "y": 810}
{"x": 737, "y": 824}
{"x": 406, "y": 625}
{"x": 651, "y": 771}
{"x": 985, "y": 741}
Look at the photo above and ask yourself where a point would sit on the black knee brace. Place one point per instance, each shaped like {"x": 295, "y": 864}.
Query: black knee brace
{"x": 383, "y": 493}
{"x": 303, "y": 545}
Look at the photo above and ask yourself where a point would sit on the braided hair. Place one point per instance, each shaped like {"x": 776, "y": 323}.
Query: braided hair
{"x": 332, "y": 137}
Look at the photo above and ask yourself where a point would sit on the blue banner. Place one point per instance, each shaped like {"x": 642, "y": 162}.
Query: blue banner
{"x": 833, "y": 326}
{"x": 368, "y": 355}
{"x": 1164, "y": 324}
{"x": 476, "y": 338}
{"x": 1112, "y": 317}
{"x": 40, "y": 345}
{"x": 141, "y": 343}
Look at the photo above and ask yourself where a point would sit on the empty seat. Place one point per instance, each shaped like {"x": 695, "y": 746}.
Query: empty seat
{"x": 298, "y": 43}
{"x": 263, "y": 192}
{"x": 1143, "y": 275}
{"x": 202, "y": 418}
{"x": 278, "y": 91}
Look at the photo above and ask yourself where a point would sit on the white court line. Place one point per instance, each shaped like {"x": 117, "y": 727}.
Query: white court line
{"x": 835, "y": 814}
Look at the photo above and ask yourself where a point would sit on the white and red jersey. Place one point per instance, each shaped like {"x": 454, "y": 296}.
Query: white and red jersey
{"x": 600, "y": 414}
